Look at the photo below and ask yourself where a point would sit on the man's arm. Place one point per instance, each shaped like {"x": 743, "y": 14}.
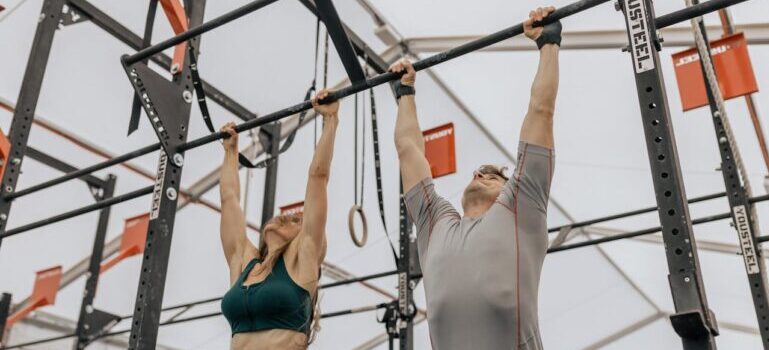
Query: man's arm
{"x": 409, "y": 141}
{"x": 537, "y": 127}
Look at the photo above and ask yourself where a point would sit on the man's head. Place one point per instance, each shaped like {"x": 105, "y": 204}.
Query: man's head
{"x": 484, "y": 188}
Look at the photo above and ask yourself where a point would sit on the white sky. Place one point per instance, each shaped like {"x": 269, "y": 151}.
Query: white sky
{"x": 264, "y": 61}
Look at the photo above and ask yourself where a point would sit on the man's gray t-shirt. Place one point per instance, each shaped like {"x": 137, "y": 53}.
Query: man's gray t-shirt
{"x": 482, "y": 274}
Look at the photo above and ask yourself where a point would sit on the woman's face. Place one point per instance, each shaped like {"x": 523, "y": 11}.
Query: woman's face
{"x": 282, "y": 229}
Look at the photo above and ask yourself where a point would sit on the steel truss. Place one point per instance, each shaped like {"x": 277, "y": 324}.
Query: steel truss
{"x": 167, "y": 105}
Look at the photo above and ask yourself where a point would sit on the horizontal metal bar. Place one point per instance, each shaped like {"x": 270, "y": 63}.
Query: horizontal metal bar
{"x": 59, "y": 165}
{"x": 629, "y": 213}
{"x": 355, "y": 310}
{"x": 36, "y": 342}
{"x": 134, "y": 41}
{"x": 193, "y": 32}
{"x": 323, "y": 286}
{"x": 611, "y": 39}
{"x": 383, "y": 78}
{"x": 85, "y": 171}
{"x": 354, "y": 88}
{"x": 690, "y": 12}
{"x": 648, "y": 230}
{"x": 358, "y": 279}
{"x": 632, "y": 234}
{"x": 80, "y": 211}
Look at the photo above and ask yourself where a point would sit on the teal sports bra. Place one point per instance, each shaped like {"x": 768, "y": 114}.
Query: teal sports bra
{"x": 275, "y": 303}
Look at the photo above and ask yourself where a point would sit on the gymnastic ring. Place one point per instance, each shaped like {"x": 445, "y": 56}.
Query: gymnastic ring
{"x": 351, "y": 225}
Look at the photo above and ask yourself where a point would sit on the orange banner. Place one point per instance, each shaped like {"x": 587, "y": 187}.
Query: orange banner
{"x": 439, "y": 150}
{"x": 733, "y": 68}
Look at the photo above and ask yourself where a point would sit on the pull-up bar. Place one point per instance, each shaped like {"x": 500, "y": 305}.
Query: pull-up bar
{"x": 563, "y": 12}
{"x": 205, "y": 27}
{"x": 662, "y": 21}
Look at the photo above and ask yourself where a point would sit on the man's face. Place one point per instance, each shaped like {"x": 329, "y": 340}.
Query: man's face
{"x": 486, "y": 184}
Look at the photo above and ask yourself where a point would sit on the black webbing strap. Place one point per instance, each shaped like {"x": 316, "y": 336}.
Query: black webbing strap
{"x": 199, "y": 91}
{"x": 246, "y": 163}
{"x": 133, "y": 123}
{"x": 378, "y": 170}
{"x": 203, "y": 105}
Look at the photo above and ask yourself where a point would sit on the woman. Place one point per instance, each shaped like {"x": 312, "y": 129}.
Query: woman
{"x": 271, "y": 302}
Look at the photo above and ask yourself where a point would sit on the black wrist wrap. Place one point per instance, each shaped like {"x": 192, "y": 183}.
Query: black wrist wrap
{"x": 402, "y": 90}
{"x": 551, "y": 34}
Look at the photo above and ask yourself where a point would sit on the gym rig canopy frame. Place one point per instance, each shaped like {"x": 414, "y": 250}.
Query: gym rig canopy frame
{"x": 167, "y": 105}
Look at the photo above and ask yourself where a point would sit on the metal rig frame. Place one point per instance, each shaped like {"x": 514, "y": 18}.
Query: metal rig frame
{"x": 167, "y": 105}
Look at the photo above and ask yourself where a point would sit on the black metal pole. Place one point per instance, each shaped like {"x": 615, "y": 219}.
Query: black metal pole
{"x": 124, "y": 35}
{"x": 5, "y": 311}
{"x": 24, "y": 113}
{"x": 149, "y": 25}
{"x": 629, "y": 213}
{"x": 80, "y": 211}
{"x": 84, "y": 326}
{"x": 36, "y": 342}
{"x": 85, "y": 171}
{"x": 358, "y": 279}
{"x": 632, "y": 234}
{"x": 193, "y": 32}
{"x": 355, "y": 310}
{"x": 693, "y": 321}
{"x": 157, "y": 251}
{"x": 669, "y": 19}
{"x": 693, "y": 11}
{"x": 743, "y": 213}
{"x": 438, "y": 58}
{"x": 59, "y": 165}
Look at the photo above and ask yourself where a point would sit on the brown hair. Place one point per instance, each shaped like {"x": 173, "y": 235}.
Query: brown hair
{"x": 488, "y": 169}
{"x": 282, "y": 220}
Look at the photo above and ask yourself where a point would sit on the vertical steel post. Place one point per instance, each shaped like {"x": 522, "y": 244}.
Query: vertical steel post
{"x": 743, "y": 216}
{"x": 175, "y": 99}
{"x": 86, "y": 323}
{"x": 693, "y": 321}
{"x": 407, "y": 267}
{"x": 18, "y": 134}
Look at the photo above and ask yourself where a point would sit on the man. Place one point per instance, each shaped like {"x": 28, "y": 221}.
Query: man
{"x": 482, "y": 271}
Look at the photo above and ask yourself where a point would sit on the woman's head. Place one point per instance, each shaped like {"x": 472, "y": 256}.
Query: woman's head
{"x": 279, "y": 232}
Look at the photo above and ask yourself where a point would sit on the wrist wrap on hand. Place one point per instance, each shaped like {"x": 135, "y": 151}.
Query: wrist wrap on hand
{"x": 551, "y": 34}
{"x": 402, "y": 90}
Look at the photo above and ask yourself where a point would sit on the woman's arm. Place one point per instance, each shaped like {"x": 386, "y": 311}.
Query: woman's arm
{"x": 315, "y": 198}
{"x": 233, "y": 223}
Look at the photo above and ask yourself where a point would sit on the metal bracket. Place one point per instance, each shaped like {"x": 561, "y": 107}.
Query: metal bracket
{"x": 71, "y": 15}
{"x": 166, "y": 104}
{"x": 97, "y": 322}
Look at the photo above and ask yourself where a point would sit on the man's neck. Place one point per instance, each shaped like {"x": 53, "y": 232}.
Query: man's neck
{"x": 477, "y": 209}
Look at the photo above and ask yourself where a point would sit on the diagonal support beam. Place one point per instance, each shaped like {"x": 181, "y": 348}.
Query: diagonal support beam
{"x": 327, "y": 13}
{"x": 630, "y": 329}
